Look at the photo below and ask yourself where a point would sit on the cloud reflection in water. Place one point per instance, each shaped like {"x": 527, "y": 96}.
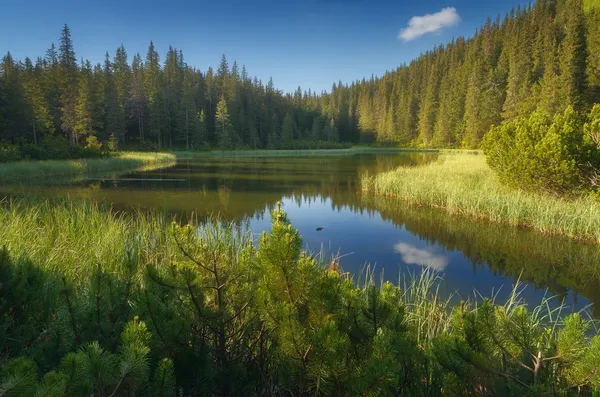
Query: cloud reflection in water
{"x": 412, "y": 255}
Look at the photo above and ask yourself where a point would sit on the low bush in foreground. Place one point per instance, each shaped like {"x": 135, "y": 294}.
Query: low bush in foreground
{"x": 116, "y": 305}
{"x": 464, "y": 184}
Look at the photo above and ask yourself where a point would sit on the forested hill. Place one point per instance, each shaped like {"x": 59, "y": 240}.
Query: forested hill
{"x": 544, "y": 57}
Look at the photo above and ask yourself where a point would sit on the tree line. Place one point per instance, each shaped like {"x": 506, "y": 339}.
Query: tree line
{"x": 544, "y": 57}
{"x": 152, "y": 103}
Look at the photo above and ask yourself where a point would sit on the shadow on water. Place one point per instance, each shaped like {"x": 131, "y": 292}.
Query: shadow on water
{"x": 324, "y": 192}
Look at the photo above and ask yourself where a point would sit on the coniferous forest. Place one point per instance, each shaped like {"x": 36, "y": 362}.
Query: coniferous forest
{"x": 544, "y": 57}
{"x": 122, "y": 298}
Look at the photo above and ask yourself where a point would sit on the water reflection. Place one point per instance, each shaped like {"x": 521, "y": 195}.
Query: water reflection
{"x": 412, "y": 255}
{"x": 324, "y": 192}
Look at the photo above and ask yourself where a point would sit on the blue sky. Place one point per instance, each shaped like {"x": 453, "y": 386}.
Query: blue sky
{"x": 308, "y": 43}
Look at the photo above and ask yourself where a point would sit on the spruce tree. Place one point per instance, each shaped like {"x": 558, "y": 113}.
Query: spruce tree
{"x": 223, "y": 126}
{"x": 573, "y": 56}
{"x": 68, "y": 83}
{"x": 287, "y": 132}
{"x": 83, "y": 107}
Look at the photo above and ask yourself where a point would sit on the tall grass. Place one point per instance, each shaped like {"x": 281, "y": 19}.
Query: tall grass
{"x": 71, "y": 238}
{"x": 118, "y": 162}
{"x": 464, "y": 184}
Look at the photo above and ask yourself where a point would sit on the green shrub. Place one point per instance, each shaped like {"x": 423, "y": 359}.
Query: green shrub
{"x": 93, "y": 142}
{"x": 9, "y": 153}
{"x": 58, "y": 148}
{"x": 554, "y": 155}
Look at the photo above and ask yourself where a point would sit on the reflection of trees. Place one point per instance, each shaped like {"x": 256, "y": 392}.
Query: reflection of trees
{"x": 242, "y": 188}
{"x": 557, "y": 263}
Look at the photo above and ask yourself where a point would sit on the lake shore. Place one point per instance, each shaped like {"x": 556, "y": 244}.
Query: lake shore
{"x": 139, "y": 161}
{"x": 125, "y": 161}
{"x": 462, "y": 183}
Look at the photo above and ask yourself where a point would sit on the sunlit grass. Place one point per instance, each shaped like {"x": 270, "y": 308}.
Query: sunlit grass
{"x": 464, "y": 184}
{"x": 122, "y": 161}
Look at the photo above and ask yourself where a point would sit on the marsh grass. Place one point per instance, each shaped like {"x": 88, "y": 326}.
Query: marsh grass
{"x": 462, "y": 183}
{"x": 126, "y": 161}
{"x": 71, "y": 238}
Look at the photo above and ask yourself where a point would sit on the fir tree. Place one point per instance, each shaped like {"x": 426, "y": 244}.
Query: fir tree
{"x": 68, "y": 70}
{"x": 223, "y": 125}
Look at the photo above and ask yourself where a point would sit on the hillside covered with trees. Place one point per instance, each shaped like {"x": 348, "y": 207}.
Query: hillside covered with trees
{"x": 544, "y": 57}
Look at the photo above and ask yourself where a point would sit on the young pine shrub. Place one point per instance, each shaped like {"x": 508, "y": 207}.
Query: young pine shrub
{"x": 94, "y": 371}
{"x": 539, "y": 153}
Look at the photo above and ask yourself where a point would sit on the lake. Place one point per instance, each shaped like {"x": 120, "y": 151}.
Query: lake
{"x": 324, "y": 200}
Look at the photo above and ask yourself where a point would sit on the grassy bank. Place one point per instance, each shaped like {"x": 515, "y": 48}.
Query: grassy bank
{"x": 118, "y": 162}
{"x": 464, "y": 184}
{"x": 123, "y": 305}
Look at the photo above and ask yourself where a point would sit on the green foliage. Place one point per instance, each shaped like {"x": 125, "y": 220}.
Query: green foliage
{"x": 9, "y": 153}
{"x": 223, "y": 130}
{"x": 214, "y": 314}
{"x": 543, "y": 56}
{"x": 113, "y": 143}
{"x": 91, "y": 142}
{"x": 539, "y": 153}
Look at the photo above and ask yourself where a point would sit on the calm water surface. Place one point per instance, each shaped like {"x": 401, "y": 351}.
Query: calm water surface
{"x": 324, "y": 192}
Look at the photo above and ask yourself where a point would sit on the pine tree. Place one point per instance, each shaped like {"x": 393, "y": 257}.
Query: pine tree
{"x": 429, "y": 107}
{"x": 68, "y": 85}
{"x": 83, "y": 107}
{"x": 593, "y": 61}
{"x": 138, "y": 96}
{"x": 200, "y": 138}
{"x": 274, "y": 133}
{"x": 287, "y": 132}
{"x": 573, "y": 56}
{"x": 121, "y": 77}
{"x": 111, "y": 101}
{"x": 316, "y": 129}
{"x": 223, "y": 125}
{"x": 39, "y": 108}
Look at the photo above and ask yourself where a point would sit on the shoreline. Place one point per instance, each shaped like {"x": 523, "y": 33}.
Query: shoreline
{"x": 463, "y": 184}
{"x": 125, "y": 161}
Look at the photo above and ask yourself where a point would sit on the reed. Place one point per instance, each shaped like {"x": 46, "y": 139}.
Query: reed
{"x": 462, "y": 183}
{"x": 126, "y": 161}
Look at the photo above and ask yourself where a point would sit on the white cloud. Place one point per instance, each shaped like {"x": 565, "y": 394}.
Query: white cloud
{"x": 430, "y": 23}
{"x": 412, "y": 255}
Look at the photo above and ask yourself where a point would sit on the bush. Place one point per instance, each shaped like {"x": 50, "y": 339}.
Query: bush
{"x": 93, "y": 142}
{"x": 9, "y": 153}
{"x": 58, "y": 148}
{"x": 554, "y": 155}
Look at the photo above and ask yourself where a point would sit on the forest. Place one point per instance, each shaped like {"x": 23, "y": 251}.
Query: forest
{"x": 544, "y": 57}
